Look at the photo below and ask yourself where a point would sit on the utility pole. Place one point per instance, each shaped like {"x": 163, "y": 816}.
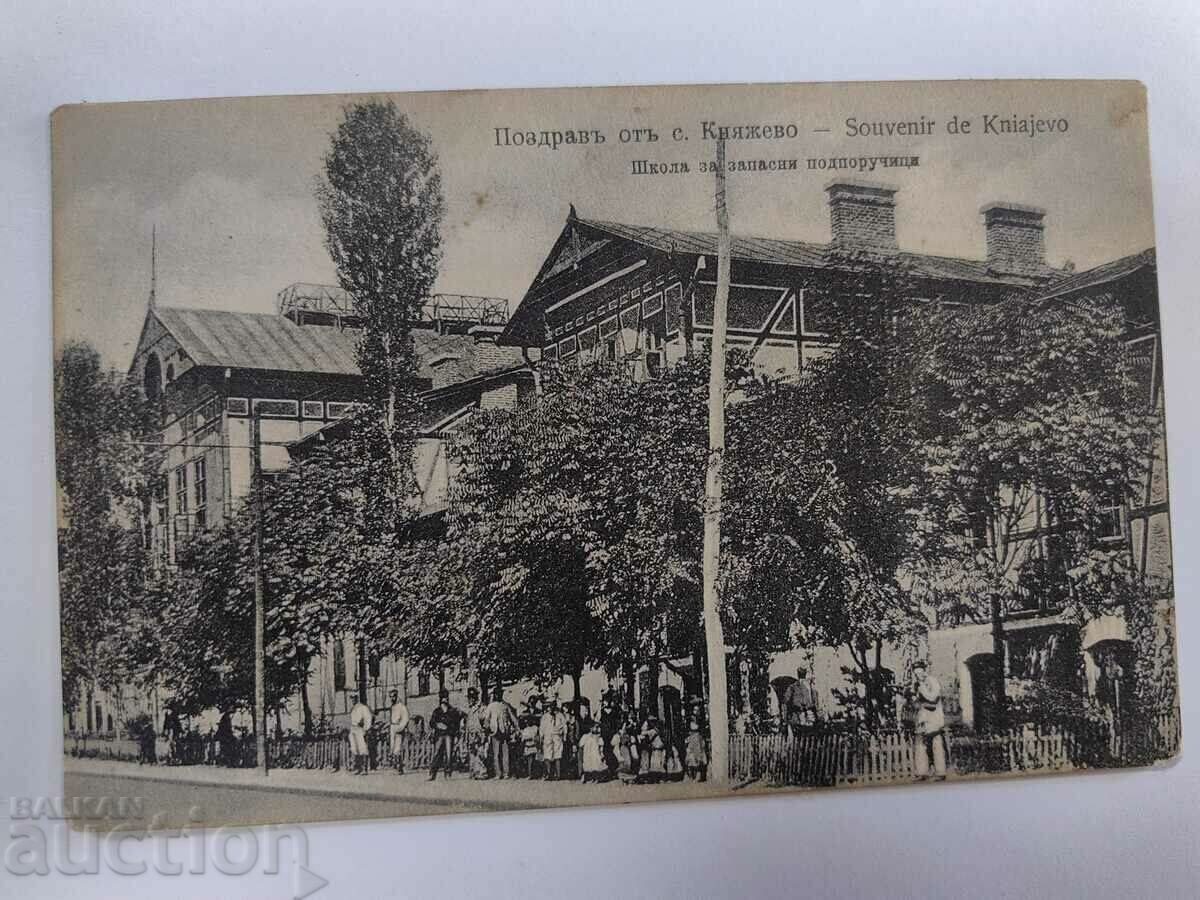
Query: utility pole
{"x": 260, "y": 693}
{"x": 714, "y": 635}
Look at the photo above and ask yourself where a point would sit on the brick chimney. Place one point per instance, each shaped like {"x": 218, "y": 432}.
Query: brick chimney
{"x": 862, "y": 215}
{"x": 487, "y": 355}
{"x": 445, "y": 369}
{"x": 1015, "y": 239}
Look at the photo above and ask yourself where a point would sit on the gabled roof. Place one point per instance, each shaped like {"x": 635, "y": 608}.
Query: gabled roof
{"x": 266, "y": 341}
{"x": 1103, "y": 274}
{"x": 571, "y": 248}
{"x": 793, "y": 253}
{"x": 242, "y": 340}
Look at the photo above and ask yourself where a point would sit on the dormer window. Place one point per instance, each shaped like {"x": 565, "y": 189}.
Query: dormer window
{"x": 152, "y": 378}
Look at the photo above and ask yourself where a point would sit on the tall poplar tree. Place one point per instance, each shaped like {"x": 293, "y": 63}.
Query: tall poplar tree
{"x": 381, "y": 204}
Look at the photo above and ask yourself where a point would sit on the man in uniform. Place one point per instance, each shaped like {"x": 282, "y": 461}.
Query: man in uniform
{"x": 397, "y": 730}
{"x": 444, "y": 725}
{"x": 929, "y": 723}
{"x": 360, "y": 724}
{"x": 800, "y": 704}
{"x": 500, "y": 720}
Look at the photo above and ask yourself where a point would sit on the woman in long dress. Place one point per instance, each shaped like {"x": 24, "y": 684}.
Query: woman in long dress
{"x": 654, "y": 752}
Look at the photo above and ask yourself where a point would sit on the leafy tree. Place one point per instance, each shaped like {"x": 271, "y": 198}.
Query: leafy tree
{"x": 381, "y": 205}
{"x": 103, "y": 471}
{"x": 1031, "y": 434}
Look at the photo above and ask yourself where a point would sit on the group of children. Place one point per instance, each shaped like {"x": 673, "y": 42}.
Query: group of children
{"x": 640, "y": 753}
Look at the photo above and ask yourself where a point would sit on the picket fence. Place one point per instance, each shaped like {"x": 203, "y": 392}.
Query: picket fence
{"x": 826, "y": 758}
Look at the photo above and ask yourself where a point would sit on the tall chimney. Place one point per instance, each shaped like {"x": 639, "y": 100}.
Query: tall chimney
{"x": 862, "y": 215}
{"x": 1015, "y": 239}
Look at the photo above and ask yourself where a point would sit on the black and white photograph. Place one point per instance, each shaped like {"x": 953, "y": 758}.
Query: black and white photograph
{"x": 426, "y": 453}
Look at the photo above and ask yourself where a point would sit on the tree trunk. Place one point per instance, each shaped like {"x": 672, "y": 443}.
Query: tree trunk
{"x": 576, "y": 678}
{"x": 305, "y": 706}
{"x": 1000, "y": 716}
{"x": 629, "y": 674}
{"x": 362, "y": 669}
{"x": 718, "y": 713}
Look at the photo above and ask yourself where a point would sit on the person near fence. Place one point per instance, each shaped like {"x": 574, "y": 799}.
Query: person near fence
{"x": 800, "y": 704}
{"x": 172, "y": 729}
{"x": 610, "y": 724}
{"x": 553, "y": 729}
{"x": 695, "y": 754}
{"x": 227, "y": 741}
{"x": 398, "y": 719}
{"x": 475, "y": 734}
{"x": 444, "y": 723}
{"x": 593, "y": 765}
{"x": 625, "y": 747}
{"x": 500, "y": 720}
{"x": 653, "y": 752}
{"x": 360, "y": 722}
{"x": 929, "y": 723}
{"x": 531, "y": 745}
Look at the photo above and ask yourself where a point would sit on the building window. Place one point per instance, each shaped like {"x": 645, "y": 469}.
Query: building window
{"x": 200, "y": 490}
{"x": 181, "y": 494}
{"x": 237, "y": 406}
{"x": 339, "y": 665}
{"x": 1110, "y": 522}
{"x": 339, "y": 410}
{"x": 610, "y": 350}
{"x": 277, "y": 409}
{"x": 313, "y": 409}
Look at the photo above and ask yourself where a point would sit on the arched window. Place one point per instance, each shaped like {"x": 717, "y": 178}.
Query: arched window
{"x": 152, "y": 378}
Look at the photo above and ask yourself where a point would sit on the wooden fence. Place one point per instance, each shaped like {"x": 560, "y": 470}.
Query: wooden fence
{"x": 825, "y": 758}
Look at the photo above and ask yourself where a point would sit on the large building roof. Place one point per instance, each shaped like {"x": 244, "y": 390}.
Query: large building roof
{"x": 1102, "y": 274}
{"x": 242, "y": 340}
{"x": 594, "y": 235}
{"x": 267, "y": 341}
{"x": 791, "y": 253}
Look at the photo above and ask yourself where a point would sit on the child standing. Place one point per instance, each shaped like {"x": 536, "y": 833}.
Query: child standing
{"x": 695, "y": 755}
{"x": 625, "y": 746}
{"x": 531, "y": 745}
{"x": 591, "y": 745}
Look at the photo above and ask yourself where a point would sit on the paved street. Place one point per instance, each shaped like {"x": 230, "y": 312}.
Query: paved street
{"x": 242, "y": 796}
{"x": 173, "y": 802}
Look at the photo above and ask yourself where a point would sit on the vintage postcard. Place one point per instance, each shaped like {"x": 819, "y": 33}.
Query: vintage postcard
{"x": 489, "y": 450}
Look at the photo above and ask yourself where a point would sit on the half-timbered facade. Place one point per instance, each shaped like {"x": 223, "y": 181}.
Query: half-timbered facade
{"x": 641, "y": 294}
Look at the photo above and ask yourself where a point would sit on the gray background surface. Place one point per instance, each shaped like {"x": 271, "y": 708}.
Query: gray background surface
{"x": 1112, "y": 835}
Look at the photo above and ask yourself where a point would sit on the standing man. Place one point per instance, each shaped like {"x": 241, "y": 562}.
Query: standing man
{"x": 398, "y": 730}
{"x": 800, "y": 704}
{"x": 360, "y": 724}
{"x": 553, "y": 730}
{"x": 500, "y": 720}
{"x": 929, "y": 723}
{"x": 444, "y": 725}
{"x": 476, "y": 735}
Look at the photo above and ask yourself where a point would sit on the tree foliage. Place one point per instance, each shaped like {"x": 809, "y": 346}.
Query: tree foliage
{"x": 103, "y": 472}
{"x": 381, "y": 205}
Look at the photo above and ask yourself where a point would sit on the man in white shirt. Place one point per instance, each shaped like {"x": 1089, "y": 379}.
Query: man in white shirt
{"x": 398, "y": 730}
{"x": 929, "y": 723}
{"x": 360, "y": 724}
